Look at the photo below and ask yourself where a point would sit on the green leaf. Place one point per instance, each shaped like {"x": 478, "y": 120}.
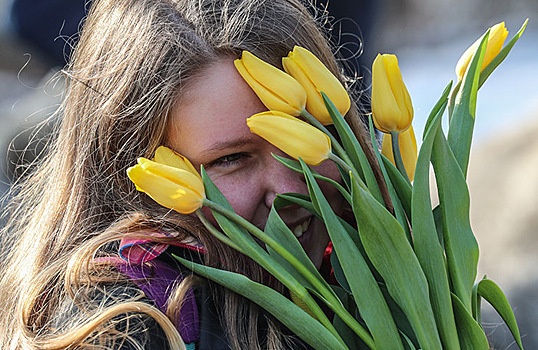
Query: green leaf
{"x": 295, "y": 166}
{"x": 250, "y": 247}
{"x": 339, "y": 272}
{"x": 470, "y": 333}
{"x": 381, "y": 233}
{"x": 490, "y": 291}
{"x": 476, "y": 301}
{"x": 427, "y": 247}
{"x": 367, "y": 295}
{"x": 400, "y": 184}
{"x": 292, "y": 316}
{"x": 454, "y": 205}
{"x": 440, "y": 104}
{"x": 396, "y": 202}
{"x": 408, "y": 343}
{"x": 284, "y": 199}
{"x": 404, "y": 327}
{"x": 462, "y": 121}
{"x": 353, "y": 149}
{"x": 353, "y": 342}
{"x": 501, "y": 55}
{"x": 279, "y": 231}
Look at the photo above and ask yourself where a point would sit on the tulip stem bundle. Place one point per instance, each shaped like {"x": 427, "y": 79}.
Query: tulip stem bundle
{"x": 326, "y": 294}
{"x": 396, "y": 290}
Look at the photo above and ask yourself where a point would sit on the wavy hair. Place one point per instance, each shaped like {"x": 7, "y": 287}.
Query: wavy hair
{"x": 133, "y": 59}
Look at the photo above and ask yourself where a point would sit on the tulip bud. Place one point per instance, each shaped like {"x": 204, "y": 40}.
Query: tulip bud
{"x": 496, "y": 38}
{"x": 312, "y": 74}
{"x": 291, "y": 135}
{"x": 408, "y": 150}
{"x": 276, "y": 89}
{"x": 171, "y": 187}
{"x": 392, "y": 109}
{"x": 166, "y": 156}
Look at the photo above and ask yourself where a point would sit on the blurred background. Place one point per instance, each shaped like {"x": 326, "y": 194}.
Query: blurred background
{"x": 428, "y": 37}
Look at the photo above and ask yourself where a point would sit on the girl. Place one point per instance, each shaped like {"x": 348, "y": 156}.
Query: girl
{"x": 86, "y": 259}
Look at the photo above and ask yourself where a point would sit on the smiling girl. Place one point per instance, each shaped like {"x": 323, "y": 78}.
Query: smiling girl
{"x": 86, "y": 260}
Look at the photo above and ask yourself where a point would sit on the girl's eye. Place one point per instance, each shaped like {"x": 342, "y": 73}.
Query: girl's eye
{"x": 228, "y": 160}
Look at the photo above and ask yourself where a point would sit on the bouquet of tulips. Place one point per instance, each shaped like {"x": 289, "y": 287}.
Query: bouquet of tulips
{"x": 406, "y": 274}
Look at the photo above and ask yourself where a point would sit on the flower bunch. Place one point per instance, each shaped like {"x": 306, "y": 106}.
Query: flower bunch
{"x": 396, "y": 290}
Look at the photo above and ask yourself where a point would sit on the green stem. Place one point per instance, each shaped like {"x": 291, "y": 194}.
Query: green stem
{"x": 298, "y": 289}
{"x": 333, "y": 302}
{"x": 394, "y": 135}
{"x": 334, "y": 142}
{"x": 349, "y": 169}
{"x": 215, "y": 232}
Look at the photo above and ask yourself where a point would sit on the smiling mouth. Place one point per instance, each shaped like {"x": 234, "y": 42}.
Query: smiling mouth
{"x": 301, "y": 228}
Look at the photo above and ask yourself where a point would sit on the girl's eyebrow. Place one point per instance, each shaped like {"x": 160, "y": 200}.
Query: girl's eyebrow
{"x": 222, "y": 145}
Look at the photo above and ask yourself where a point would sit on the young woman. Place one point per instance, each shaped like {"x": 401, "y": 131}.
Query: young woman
{"x": 148, "y": 73}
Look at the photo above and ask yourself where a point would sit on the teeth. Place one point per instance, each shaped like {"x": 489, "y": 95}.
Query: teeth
{"x": 300, "y": 229}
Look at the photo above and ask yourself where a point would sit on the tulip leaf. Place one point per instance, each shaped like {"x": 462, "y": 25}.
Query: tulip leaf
{"x": 399, "y": 317}
{"x": 476, "y": 303}
{"x": 339, "y": 272}
{"x": 427, "y": 247}
{"x": 463, "y": 116}
{"x": 284, "y": 199}
{"x": 454, "y": 204}
{"x": 490, "y": 291}
{"x": 380, "y": 233}
{"x": 279, "y": 231}
{"x": 353, "y": 149}
{"x": 401, "y": 186}
{"x": 366, "y": 292}
{"x": 295, "y": 166}
{"x": 486, "y": 72}
{"x": 228, "y": 221}
{"x": 291, "y": 315}
{"x": 440, "y": 104}
{"x": 396, "y": 202}
{"x": 353, "y": 342}
{"x": 471, "y": 335}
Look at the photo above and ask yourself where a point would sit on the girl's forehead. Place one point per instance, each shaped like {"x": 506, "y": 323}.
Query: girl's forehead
{"x": 212, "y": 112}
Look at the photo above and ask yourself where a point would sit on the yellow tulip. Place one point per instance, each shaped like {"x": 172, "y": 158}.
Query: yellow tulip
{"x": 275, "y": 88}
{"x": 292, "y": 135}
{"x": 171, "y": 187}
{"x": 497, "y": 36}
{"x": 408, "y": 150}
{"x": 166, "y": 156}
{"x": 392, "y": 109}
{"x": 312, "y": 74}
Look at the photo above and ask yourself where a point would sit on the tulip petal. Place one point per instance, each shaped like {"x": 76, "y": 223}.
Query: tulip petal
{"x": 165, "y": 192}
{"x": 275, "y": 88}
{"x": 314, "y": 104}
{"x": 314, "y": 76}
{"x": 178, "y": 176}
{"x": 166, "y": 156}
{"x": 399, "y": 90}
{"x": 497, "y": 36}
{"x": 385, "y": 108}
{"x": 291, "y": 135}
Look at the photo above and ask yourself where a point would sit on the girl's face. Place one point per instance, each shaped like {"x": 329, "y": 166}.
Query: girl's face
{"x": 208, "y": 126}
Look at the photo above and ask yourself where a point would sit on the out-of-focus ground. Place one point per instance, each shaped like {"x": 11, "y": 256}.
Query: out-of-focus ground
{"x": 428, "y": 38}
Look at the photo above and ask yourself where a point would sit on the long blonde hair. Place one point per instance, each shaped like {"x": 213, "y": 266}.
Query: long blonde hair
{"x": 132, "y": 61}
